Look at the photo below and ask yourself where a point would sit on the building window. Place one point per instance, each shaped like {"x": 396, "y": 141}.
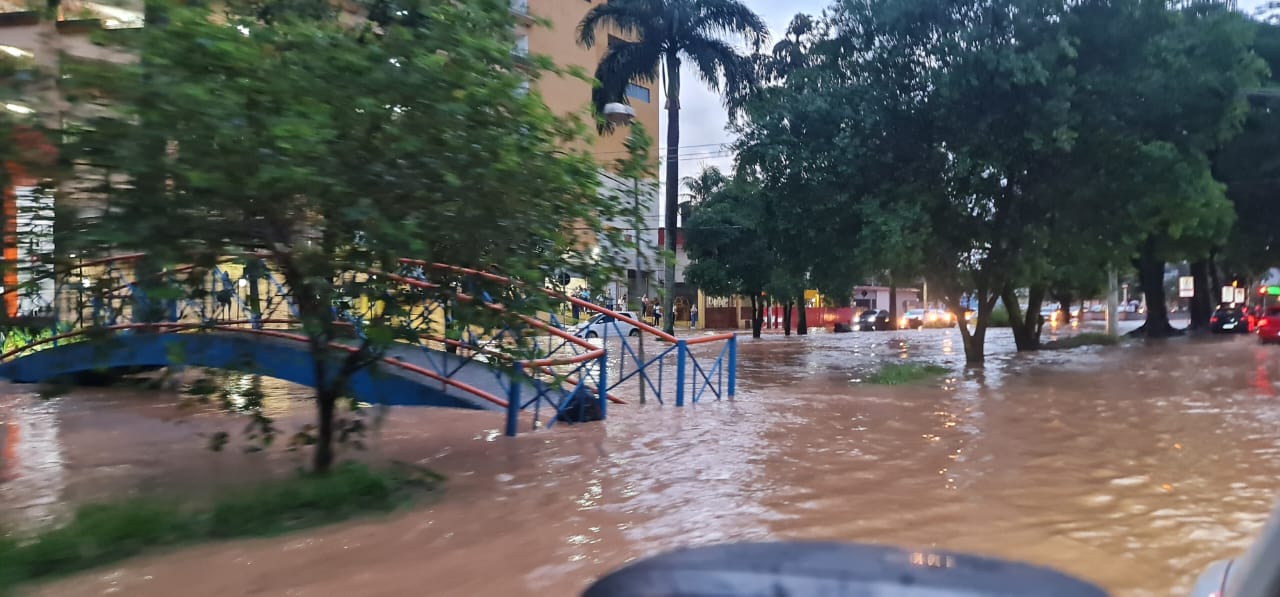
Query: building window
{"x": 637, "y": 92}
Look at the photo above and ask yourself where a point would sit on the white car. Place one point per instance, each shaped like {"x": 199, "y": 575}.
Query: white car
{"x": 602, "y": 326}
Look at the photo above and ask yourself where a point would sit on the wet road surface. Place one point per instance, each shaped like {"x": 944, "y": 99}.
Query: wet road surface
{"x": 1132, "y": 467}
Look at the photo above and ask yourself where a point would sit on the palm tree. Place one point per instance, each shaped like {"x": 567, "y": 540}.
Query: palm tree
{"x": 705, "y": 184}
{"x": 663, "y": 33}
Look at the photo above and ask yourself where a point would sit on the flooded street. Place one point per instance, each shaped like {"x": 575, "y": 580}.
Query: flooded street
{"x": 1132, "y": 467}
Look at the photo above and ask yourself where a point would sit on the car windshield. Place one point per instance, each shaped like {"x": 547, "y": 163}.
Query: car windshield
{"x": 1273, "y": 310}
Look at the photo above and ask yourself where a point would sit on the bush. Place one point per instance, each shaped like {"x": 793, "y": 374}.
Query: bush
{"x": 105, "y": 533}
{"x": 1078, "y": 340}
{"x": 18, "y": 337}
{"x": 894, "y": 374}
{"x": 999, "y": 318}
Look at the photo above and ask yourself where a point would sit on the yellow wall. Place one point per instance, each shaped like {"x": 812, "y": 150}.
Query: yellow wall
{"x": 567, "y": 94}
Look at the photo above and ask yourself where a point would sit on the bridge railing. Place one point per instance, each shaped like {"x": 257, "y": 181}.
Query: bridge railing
{"x": 544, "y": 365}
{"x": 673, "y": 372}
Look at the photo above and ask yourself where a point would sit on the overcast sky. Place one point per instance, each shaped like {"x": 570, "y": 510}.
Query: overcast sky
{"x": 702, "y": 115}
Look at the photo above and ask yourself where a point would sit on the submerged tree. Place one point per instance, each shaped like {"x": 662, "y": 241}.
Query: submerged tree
{"x": 336, "y": 148}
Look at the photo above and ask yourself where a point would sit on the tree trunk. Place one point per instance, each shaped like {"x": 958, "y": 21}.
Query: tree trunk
{"x": 802, "y": 319}
{"x": 1064, "y": 306}
{"x": 1201, "y": 303}
{"x": 893, "y": 305}
{"x": 673, "y": 188}
{"x": 1025, "y": 325}
{"x": 975, "y": 340}
{"x": 786, "y": 318}
{"x": 326, "y": 401}
{"x": 1215, "y": 278}
{"x": 1151, "y": 277}
{"x": 757, "y": 316}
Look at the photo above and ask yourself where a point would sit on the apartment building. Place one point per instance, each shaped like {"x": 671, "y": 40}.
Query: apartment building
{"x": 25, "y": 211}
{"x": 24, "y": 34}
{"x": 567, "y": 95}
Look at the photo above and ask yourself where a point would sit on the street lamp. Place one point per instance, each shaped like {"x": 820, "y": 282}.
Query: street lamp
{"x": 617, "y": 113}
{"x": 622, "y": 114}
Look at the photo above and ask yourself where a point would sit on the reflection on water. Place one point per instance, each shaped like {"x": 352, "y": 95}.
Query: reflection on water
{"x": 1131, "y": 466}
{"x": 32, "y": 469}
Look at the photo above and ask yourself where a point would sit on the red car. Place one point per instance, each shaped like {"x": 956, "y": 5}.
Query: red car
{"x": 1269, "y": 325}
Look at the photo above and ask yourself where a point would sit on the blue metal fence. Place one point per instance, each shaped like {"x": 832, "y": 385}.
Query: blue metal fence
{"x": 544, "y": 366}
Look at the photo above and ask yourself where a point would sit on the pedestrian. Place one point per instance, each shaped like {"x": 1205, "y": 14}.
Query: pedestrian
{"x": 693, "y": 317}
{"x": 657, "y": 316}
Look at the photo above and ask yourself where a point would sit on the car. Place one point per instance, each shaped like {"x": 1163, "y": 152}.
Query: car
{"x": 603, "y": 325}
{"x": 874, "y": 321}
{"x": 1231, "y": 318}
{"x": 831, "y": 568}
{"x": 1256, "y": 572}
{"x": 1052, "y": 314}
{"x": 1268, "y": 325}
{"x": 915, "y": 319}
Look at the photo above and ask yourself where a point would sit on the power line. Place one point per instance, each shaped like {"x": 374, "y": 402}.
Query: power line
{"x": 681, "y": 148}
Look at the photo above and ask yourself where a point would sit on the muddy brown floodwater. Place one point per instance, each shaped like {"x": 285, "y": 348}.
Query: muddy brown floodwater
{"x": 1132, "y": 467}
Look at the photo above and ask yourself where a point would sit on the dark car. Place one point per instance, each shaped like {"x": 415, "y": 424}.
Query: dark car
{"x": 874, "y": 321}
{"x": 1231, "y": 318}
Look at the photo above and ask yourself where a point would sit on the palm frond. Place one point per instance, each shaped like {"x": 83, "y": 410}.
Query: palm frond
{"x": 720, "y": 66}
{"x": 625, "y": 62}
{"x": 705, "y": 184}
{"x": 629, "y": 17}
{"x": 730, "y": 18}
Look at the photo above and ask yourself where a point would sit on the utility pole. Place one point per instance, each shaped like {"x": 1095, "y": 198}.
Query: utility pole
{"x": 1113, "y": 299}
{"x": 640, "y": 221}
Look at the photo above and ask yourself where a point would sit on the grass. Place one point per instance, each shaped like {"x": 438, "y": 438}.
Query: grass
{"x": 1082, "y": 339}
{"x": 104, "y": 533}
{"x": 896, "y": 374}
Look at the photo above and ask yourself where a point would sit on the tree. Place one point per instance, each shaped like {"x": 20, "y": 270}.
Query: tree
{"x": 705, "y": 184}
{"x": 996, "y": 146}
{"x": 667, "y": 32}
{"x": 1249, "y": 165}
{"x": 727, "y": 254}
{"x": 1203, "y": 59}
{"x": 428, "y": 149}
